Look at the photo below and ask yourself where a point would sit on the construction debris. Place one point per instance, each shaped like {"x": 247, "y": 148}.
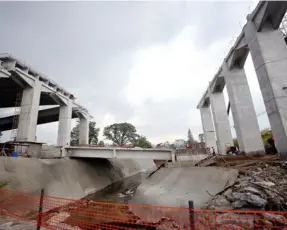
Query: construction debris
{"x": 262, "y": 184}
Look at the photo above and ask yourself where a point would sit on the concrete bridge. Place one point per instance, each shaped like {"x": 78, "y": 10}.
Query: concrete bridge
{"x": 22, "y": 83}
{"x": 134, "y": 153}
{"x": 263, "y": 38}
{"x": 120, "y": 153}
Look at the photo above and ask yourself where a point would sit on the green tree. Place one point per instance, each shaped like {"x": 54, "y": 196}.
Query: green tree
{"x": 190, "y": 139}
{"x": 266, "y": 134}
{"x": 101, "y": 143}
{"x": 121, "y": 133}
{"x": 142, "y": 142}
{"x": 201, "y": 137}
{"x": 93, "y": 133}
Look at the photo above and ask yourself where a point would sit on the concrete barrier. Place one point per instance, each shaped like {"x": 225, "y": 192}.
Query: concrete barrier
{"x": 191, "y": 157}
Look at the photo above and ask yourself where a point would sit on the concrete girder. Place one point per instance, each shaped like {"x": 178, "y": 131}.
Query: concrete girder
{"x": 10, "y": 63}
{"x": 121, "y": 153}
{"x": 4, "y": 73}
{"x": 238, "y": 53}
{"x": 265, "y": 11}
{"x": 268, "y": 11}
{"x": 203, "y": 100}
{"x": 44, "y": 116}
{"x": 218, "y": 84}
{"x": 22, "y": 78}
{"x": 58, "y": 100}
{"x": 83, "y": 114}
{"x": 63, "y": 100}
{"x": 25, "y": 80}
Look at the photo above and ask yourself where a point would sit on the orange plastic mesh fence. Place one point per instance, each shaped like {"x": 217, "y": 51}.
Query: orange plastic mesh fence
{"x": 62, "y": 213}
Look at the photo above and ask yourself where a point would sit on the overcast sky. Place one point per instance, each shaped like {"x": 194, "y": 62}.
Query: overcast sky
{"x": 146, "y": 63}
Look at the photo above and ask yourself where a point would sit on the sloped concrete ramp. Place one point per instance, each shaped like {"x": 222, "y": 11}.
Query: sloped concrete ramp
{"x": 176, "y": 186}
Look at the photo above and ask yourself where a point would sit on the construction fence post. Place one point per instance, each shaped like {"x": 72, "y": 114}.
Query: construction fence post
{"x": 191, "y": 215}
{"x": 39, "y": 220}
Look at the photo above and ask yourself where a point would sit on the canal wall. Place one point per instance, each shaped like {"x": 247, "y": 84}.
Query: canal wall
{"x": 69, "y": 178}
{"x": 177, "y": 186}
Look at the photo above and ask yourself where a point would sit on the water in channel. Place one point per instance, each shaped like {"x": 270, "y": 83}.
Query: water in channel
{"x": 120, "y": 191}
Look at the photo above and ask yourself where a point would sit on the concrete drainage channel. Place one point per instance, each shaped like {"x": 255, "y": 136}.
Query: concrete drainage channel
{"x": 165, "y": 187}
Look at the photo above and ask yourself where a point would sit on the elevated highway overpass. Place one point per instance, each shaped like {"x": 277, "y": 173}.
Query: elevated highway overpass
{"x": 263, "y": 38}
{"x": 23, "y": 86}
{"x": 44, "y": 116}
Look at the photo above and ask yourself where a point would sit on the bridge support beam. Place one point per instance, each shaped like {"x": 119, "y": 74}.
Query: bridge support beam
{"x": 208, "y": 129}
{"x": 243, "y": 112}
{"x": 221, "y": 122}
{"x": 28, "y": 117}
{"x": 84, "y": 131}
{"x": 269, "y": 53}
{"x": 64, "y": 128}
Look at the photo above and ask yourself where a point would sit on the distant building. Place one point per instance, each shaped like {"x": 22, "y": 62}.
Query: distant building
{"x": 164, "y": 145}
{"x": 179, "y": 144}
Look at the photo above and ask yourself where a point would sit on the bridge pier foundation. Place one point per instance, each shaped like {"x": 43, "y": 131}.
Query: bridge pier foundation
{"x": 208, "y": 129}
{"x": 84, "y": 131}
{"x": 28, "y": 117}
{"x": 221, "y": 122}
{"x": 269, "y": 53}
{"x": 64, "y": 127}
{"x": 243, "y": 112}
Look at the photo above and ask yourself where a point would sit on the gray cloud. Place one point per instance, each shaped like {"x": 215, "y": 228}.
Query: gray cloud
{"x": 88, "y": 47}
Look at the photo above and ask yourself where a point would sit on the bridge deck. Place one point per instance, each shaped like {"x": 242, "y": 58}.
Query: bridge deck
{"x": 121, "y": 153}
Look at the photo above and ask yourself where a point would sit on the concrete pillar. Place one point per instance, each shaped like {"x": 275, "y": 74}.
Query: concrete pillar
{"x": 64, "y": 128}
{"x": 172, "y": 156}
{"x": 221, "y": 122}
{"x": 208, "y": 129}
{"x": 28, "y": 118}
{"x": 243, "y": 112}
{"x": 84, "y": 131}
{"x": 269, "y": 54}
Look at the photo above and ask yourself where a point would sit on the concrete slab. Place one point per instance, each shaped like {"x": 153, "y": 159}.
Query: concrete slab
{"x": 176, "y": 186}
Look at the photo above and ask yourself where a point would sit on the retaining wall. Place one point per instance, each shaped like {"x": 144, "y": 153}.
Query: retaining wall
{"x": 70, "y": 178}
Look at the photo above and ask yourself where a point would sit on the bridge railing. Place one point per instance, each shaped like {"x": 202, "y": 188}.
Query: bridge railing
{"x": 61, "y": 213}
{"x": 121, "y": 153}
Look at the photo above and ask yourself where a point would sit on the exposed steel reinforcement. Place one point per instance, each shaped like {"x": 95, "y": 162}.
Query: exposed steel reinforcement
{"x": 62, "y": 213}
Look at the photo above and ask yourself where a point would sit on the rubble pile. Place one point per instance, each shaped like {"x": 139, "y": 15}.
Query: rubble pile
{"x": 260, "y": 186}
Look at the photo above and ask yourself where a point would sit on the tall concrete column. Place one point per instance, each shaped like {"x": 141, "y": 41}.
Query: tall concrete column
{"x": 27, "y": 125}
{"x": 208, "y": 129}
{"x": 64, "y": 128}
{"x": 269, "y": 54}
{"x": 243, "y": 112}
{"x": 84, "y": 131}
{"x": 221, "y": 122}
